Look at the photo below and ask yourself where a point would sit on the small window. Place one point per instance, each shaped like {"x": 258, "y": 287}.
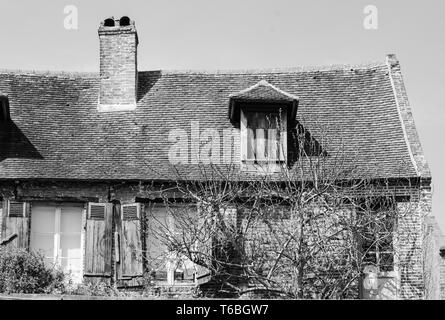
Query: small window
{"x": 264, "y": 135}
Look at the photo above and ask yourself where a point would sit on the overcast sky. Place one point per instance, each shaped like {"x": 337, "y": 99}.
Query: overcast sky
{"x": 206, "y": 34}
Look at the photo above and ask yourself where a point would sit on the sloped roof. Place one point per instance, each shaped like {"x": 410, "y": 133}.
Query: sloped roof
{"x": 263, "y": 90}
{"x": 58, "y": 133}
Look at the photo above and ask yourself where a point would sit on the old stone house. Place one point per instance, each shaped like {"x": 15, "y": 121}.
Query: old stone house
{"x": 77, "y": 151}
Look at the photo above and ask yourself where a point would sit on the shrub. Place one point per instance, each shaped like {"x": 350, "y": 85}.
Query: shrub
{"x": 22, "y": 271}
{"x": 95, "y": 289}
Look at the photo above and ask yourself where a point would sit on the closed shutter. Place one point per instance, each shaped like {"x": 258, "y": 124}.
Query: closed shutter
{"x": 16, "y": 222}
{"x": 131, "y": 243}
{"x": 99, "y": 239}
{"x": 204, "y": 245}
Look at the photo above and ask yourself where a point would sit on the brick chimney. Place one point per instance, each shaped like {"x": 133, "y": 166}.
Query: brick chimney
{"x": 118, "y": 65}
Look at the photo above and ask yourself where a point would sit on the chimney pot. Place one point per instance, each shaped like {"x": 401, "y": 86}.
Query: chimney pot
{"x": 109, "y": 22}
{"x": 124, "y": 21}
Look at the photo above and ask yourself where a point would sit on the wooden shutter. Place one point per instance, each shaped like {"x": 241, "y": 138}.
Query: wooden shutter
{"x": 16, "y": 221}
{"x": 99, "y": 239}
{"x": 131, "y": 243}
{"x": 204, "y": 244}
{"x": 283, "y": 137}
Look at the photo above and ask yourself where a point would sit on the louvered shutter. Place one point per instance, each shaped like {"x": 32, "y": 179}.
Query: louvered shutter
{"x": 131, "y": 243}
{"x": 204, "y": 244}
{"x": 16, "y": 221}
{"x": 99, "y": 239}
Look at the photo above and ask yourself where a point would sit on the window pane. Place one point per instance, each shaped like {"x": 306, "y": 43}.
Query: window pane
{"x": 184, "y": 271}
{"x": 262, "y": 120}
{"x": 70, "y": 246}
{"x": 250, "y": 144}
{"x": 43, "y": 219}
{"x": 160, "y": 230}
{"x": 260, "y": 144}
{"x": 157, "y": 250}
{"x": 263, "y": 135}
{"x": 71, "y": 220}
{"x": 43, "y": 243}
{"x": 72, "y": 266}
{"x": 386, "y": 261}
{"x": 272, "y": 144}
{"x": 42, "y": 231}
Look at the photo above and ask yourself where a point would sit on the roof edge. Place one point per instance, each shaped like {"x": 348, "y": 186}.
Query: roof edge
{"x": 406, "y": 117}
{"x": 271, "y": 70}
{"x": 50, "y": 73}
{"x": 264, "y": 83}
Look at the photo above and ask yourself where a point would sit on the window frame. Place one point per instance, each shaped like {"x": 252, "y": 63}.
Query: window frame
{"x": 57, "y": 233}
{"x": 171, "y": 262}
{"x": 281, "y": 109}
{"x": 377, "y": 237}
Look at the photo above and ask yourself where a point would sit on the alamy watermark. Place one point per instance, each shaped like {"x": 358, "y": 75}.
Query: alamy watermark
{"x": 71, "y": 20}
{"x": 371, "y": 20}
{"x": 208, "y": 146}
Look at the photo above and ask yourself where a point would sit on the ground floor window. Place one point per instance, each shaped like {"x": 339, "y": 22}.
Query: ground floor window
{"x": 56, "y": 231}
{"x": 163, "y": 263}
{"x": 377, "y": 232}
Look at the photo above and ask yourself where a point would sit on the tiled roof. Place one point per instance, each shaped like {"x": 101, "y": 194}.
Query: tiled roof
{"x": 263, "y": 90}
{"x": 58, "y": 133}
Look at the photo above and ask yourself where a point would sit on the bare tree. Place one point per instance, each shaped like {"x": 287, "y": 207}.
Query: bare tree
{"x": 304, "y": 231}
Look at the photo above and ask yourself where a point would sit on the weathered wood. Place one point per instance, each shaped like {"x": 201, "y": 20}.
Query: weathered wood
{"x": 16, "y": 225}
{"x": 129, "y": 229}
{"x": 131, "y": 248}
{"x": 118, "y": 231}
{"x": 99, "y": 244}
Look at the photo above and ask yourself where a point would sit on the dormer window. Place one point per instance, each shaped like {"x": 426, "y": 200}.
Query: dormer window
{"x": 4, "y": 109}
{"x": 264, "y": 113}
{"x": 263, "y": 134}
